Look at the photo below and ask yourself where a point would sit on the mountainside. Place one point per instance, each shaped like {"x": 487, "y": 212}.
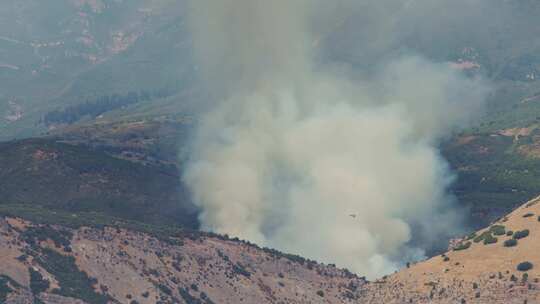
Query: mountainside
{"x": 498, "y": 264}
{"x": 139, "y": 163}
{"x": 80, "y": 62}
{"x": 47, "y": 173}
{"x": 51, "y": 264}
{"x": 64, "y": 52}
{"x": 117, "y": 146}
{"x": 496, "y": 171}
{"x": 44, "y": 263}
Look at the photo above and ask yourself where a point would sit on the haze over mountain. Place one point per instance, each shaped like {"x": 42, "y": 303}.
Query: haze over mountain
{"x": 65, "y": 52}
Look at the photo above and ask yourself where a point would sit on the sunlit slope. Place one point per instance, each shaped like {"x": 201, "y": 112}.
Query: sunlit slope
{"x": 498, "y": 264}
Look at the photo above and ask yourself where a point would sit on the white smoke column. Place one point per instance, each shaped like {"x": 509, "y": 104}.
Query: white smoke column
{"x": 296, "y": 157}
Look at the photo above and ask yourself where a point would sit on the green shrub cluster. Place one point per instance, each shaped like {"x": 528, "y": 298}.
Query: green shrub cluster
{"x": 4, "y": 289}
{"x": 510, "y": 243}
{"x": 164, "y": 289}
{"x": 73, "y": 282}
{"x": 463, "y": 246}
{"x": 61, "y": 238}
{"x": 521, "y": 234}
{"x": 39, "y": 215}
{"x": 189, "y": 299}
{"x": 487, "y": 237}
{"x": 482, "y": 236}
{"x": 37, "y": 283}
{"x": 239, "y": 269}
{"x": 497, "y": 230}
{"x": 524, "y": 266}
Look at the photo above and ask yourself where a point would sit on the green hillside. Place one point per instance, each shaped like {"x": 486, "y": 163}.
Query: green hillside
{"x": 57, "y": 176}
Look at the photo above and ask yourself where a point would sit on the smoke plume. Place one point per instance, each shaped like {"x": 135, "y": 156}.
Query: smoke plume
{"x": 315, "y": 157}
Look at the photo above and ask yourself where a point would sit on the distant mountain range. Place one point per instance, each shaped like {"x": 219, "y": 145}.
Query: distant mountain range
{"x": 63, "y": 53}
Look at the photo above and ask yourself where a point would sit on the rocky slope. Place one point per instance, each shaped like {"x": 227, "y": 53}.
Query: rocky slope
{"x": 50, "y": 264}
{"x": 54, "y": 264}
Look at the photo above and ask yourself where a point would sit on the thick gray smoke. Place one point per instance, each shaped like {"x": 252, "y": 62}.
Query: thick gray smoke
{"x": 298, "y": 154}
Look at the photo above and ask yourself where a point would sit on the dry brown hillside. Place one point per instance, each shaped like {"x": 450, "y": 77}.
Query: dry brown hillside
{"x": 482, "y": 268}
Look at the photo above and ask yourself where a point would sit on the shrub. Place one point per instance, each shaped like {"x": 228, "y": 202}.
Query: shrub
{"x": 239, "y": 269}
{"x": 524, "y": 266}
{"x": 463, "y": 246}
{"x": 509, "y": 233}
{"x": 490, "y": 240}
{"x": 521, "y": 234}
{"x": 187, "y": 297}
{"x": 320, "y": 293}
{"x": 164, "y": 289}
{"x": 4, "y": 289}
{"x": 37, "y": 283}
{"x": 510, "y": 243}
{"x": 481, "y": 237}
{"x": 471, "y": 236}
{"x": 497, "y": 230}
{"x": 73, "y": 282}
{"x": 22, "y": 258}
{"x": 61, "y": 238}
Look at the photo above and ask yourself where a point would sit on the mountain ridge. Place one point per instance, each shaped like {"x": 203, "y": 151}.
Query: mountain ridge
{"x": 109, "y": 264}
